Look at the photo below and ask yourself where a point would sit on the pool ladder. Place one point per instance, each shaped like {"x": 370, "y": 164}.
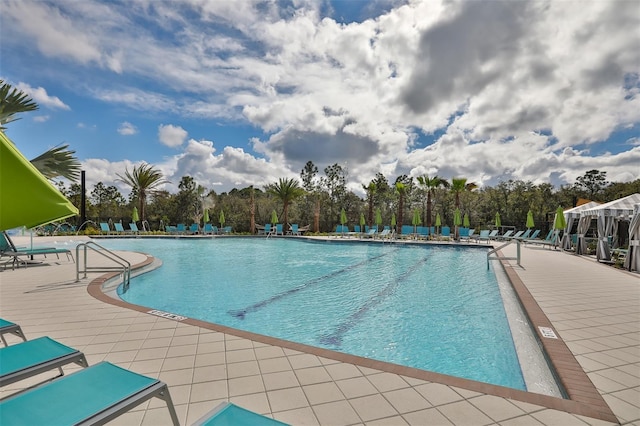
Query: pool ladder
{"x": 502, "y": 246}
{"x": 122, "y": 264}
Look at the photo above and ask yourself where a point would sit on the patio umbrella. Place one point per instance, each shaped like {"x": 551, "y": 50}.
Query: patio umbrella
{"x": 221, "y": 219}
{"x": 393, "y": 221}
{"x": 362, "y": 221}
{"x": 274, "y": 217}
{"x": 498, "y": 221}
{"x": 416, "y": 220}
{"x": 27, "y": 198}
{"x": 205, "y": 217}
{"x": 558, "y": 224}
{"x": 530, "y": 223}
{"x": 457, "y": 221}
{"x": 465, "y": 221}
{"x": 343, "y": 220}
{"x": 438, "y": 221}
{"x": 378, "y": 218}
{"x": 134, "y": 215}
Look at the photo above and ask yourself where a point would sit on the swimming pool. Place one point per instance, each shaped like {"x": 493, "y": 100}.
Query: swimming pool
{"x": 436, "y": 308}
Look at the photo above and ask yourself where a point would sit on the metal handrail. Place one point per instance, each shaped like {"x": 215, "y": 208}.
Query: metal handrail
{"x": 502, "y": 246}
{"x": 124, "y": 265}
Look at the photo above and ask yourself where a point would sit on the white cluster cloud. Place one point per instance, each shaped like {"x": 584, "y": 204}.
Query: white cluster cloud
{"x": 40, "y": 96}
{"x": 171, "y": 136}
{"x": 127, "y": 129}
{"x": 486, "y": 90}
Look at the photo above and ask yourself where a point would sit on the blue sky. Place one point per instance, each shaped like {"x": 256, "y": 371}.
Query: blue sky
{"x": 235, "y": 93}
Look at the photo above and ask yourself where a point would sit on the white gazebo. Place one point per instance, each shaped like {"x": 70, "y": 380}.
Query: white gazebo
{"x": 570, "y": 216}
{"x": 632, "y": 260}
{"x": 608, "y": 215}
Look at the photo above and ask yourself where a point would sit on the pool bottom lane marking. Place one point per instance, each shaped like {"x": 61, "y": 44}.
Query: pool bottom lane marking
{"x": 334, "y": 339}
{"x": 241, "y": 313}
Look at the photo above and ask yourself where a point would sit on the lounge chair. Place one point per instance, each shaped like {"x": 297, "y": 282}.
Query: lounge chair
{"x": 8, "y": 327}
{"x": 268, "y": 230}
{"x": 484, "y": 236}
{"x": 94, "y": 395}
{"x": 526, "y": 235}
{"x": 193, "y": 229}
{"x": 534, "y": 235}
{"x": 181, "y": 228}
{"x": 8, "y": 249}
{"x": 505, "y": 236}
{"x": 208, "y": 229}
{"x": 445, "y": 233}
{"x": 370, "y": 233}
{"x": 293, "y": 229}
{"x": 104, "y": 227}
{"x": 385, "y": 234}
{"x": 32, "y": 357}
{"x": 493, "y": 234}
{"x": 279, "y": 229}
{"x": 230, "y": 414}
{"x": 259, "y": 229}
{"x": 550, "y": 240}
{"x": 133, "y": 228}
{"x": 304, "y": 229}
{"x": 423, "y": 232}
{"x": 515, "y": 236}
{"x": 118, "y": 227}
{"x": 466, "y": 236}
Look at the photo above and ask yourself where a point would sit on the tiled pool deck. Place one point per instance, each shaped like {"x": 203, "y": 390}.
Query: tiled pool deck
{"x": 594, "y": 308}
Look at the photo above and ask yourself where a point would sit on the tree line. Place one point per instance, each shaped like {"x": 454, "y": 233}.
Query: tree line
{"x": 317, "y": 200}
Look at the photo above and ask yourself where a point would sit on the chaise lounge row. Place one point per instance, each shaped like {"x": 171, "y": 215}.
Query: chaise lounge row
{"x": 93, "y": 395}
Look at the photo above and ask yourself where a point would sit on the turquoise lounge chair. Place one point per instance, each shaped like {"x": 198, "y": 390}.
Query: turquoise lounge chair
{"x": 181, "y": 228}
{"x": 524, "y": 236}
{"x": 104, "y": 227}
{"x": 193, "y": 229}
{"x": 208, "y": 229}
{"x": 268, "y": 230}
{"x": 119, "y": 228}
{"x": 445, "y": 232}
{"x": 279, "y": 230}
{"x": 515, "y": 236}
{"x": 293, "y": 229}
{"x": 505, "y": 236}
{"x": 7, "y": 248}
{"x": 8, "y": 327}
{"x": 371, "y": 232}
{"x": 484, "y": 235}
{"x": 94, "y": 395}
{"x": 550, "y": 240}
{"x": 32, "y": 357}
{"x": 493, "y": 234}
{"x": 228, "y": 414}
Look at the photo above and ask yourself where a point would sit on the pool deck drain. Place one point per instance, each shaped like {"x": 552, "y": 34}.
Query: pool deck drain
{"x": 593, "y": 309}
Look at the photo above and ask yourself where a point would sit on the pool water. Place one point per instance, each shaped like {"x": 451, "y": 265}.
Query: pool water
{"x": 435, "y": 308}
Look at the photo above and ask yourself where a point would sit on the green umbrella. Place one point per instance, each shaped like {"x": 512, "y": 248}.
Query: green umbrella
{"x": 457, "y": 218}
{"x": 416, "y": 220}
{"x": 205, "y": 218}
{"x": 498, "y": 221}
{"x": 274, "y": 217}
{"x": 378, "y": 218}
{"x": 343, "y": 217}
{"x": 530, "y": 223}
{"x": 362, "y": 220}
{"x": 438, "y": 221}
{"x": 27, "y": 198}
{"x": 559, "y": 222}
{"x": 221, "y": 218}
{"x": 393, "y": 220}
{"x": 134, "y": 215}
{"x": 465, "y": 221}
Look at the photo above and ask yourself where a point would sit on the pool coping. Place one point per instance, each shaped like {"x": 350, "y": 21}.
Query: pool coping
{"x": 583, "y": 397}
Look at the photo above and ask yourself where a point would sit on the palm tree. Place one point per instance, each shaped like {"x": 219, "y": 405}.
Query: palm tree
{"x": 402, "y": 191}
{"x": 287, "y": 190}
{"x": 459, "y": 185}
{"x": 143, "y": 180}
{"x": 430, "y": 184}
{"x": 57, "y": 161}
{"x": 371, "y": 192}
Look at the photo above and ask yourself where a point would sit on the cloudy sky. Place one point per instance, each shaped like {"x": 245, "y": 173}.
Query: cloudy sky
{"x": 235, "y": 93}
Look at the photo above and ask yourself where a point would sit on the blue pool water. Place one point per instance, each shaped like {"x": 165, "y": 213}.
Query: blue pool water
{"x": 435, "y": 308}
